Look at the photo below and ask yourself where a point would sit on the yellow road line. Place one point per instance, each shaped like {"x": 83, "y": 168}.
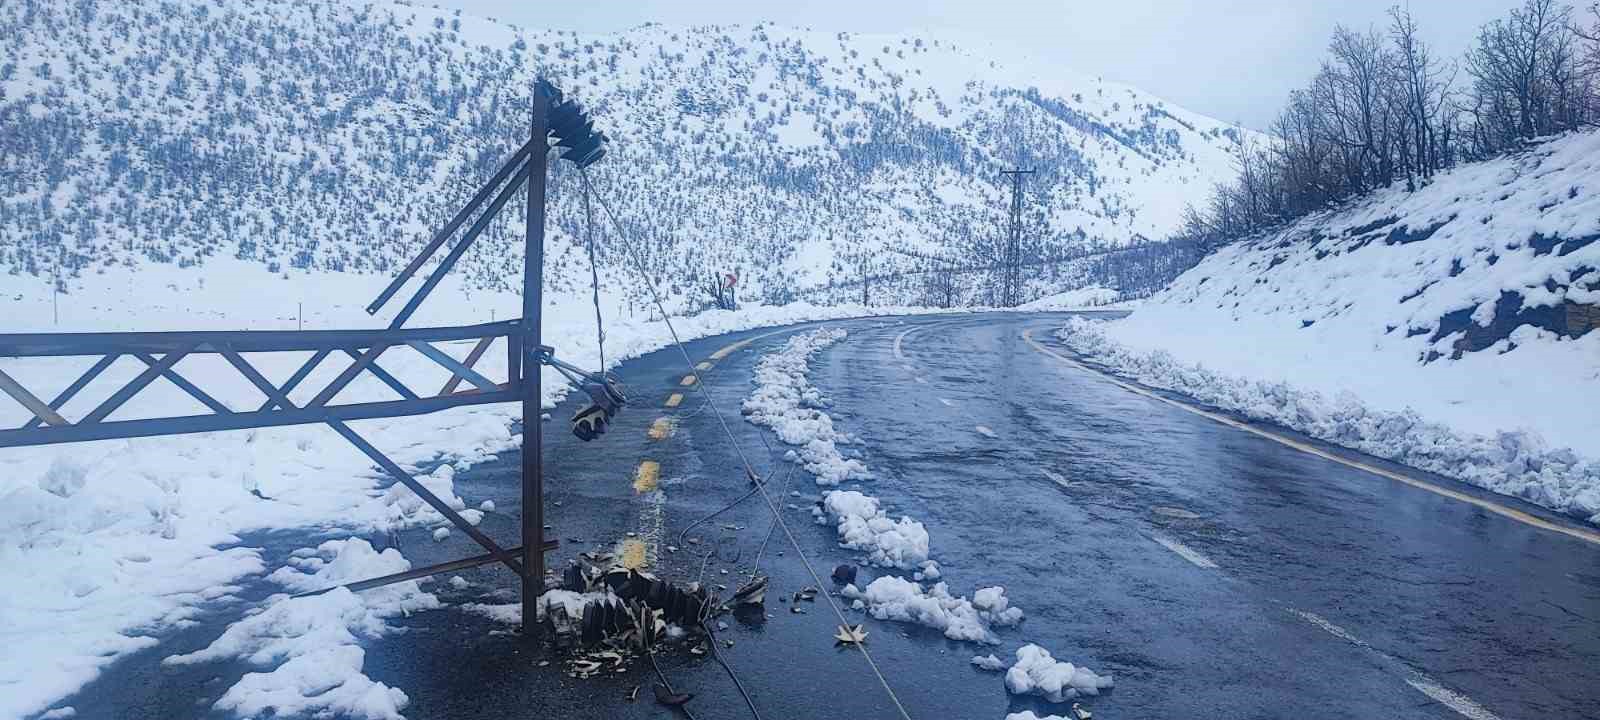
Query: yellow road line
{"x": 726, "y": 351}
{"x": 731, "y": 348}
{"x": 634, "y": 555}
{"x": 674, "y": 399}
{"x": 1486, "y": 504}
{"x": 686, "y": 381}
{"x": 647, "y": 477}
{"x": 661, "y": 429}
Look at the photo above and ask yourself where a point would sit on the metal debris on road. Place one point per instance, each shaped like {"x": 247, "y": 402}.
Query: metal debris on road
{"x": 848, "y": 635}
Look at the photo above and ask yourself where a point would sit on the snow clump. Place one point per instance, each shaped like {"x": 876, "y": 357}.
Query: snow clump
{"x": 785, "y": 401}
{"x": 898, "y": 599}
{"x": 863, "y": 525}
{"x": 1037, "y": 673}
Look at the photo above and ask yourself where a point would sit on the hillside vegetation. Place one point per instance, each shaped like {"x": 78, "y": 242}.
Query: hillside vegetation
{"x": 321, "y": 136}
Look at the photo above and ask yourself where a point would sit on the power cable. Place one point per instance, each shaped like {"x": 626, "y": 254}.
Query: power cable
{"x": 655, "y": 294}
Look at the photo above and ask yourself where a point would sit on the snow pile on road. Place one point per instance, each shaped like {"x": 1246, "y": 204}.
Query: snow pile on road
{"x": 310, "y": 647}
{"x": 1450, "y": 329}
{"x": 898, "y": 599}
{"x": 1037, "y": 673}
{"x": 863, "y": 525}
{"x": 785, "y": 401}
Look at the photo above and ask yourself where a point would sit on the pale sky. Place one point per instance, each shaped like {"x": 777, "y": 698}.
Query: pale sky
{"x": 1234, "y": 60}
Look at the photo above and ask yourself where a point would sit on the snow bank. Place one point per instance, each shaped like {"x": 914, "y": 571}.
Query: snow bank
{"x": 1512, "y": 462}
{"x": 1037, "y": 673}
{"x": 1451, "y": 328}
{"x": 785, "y": 401}
{"x": 898, "y": 599}
{"x": 310, "y": 647}
{"x": 1087, "y": 297}
{"x": 863, "y": 525}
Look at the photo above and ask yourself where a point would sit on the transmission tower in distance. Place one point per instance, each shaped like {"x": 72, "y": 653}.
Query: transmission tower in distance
{"x": 1011, "y": 272}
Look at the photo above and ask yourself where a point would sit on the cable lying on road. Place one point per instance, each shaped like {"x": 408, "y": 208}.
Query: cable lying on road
{"x": 777, "y": 515}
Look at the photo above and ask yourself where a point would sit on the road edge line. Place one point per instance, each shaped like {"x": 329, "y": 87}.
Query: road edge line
{"x": 1482, "y": 503}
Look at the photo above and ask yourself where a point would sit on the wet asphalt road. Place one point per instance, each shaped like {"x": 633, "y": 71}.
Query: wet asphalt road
{"x": 1214, "y": 573}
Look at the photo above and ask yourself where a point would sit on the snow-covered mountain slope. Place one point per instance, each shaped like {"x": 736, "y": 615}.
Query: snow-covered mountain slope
{"x": 318, "y": 135}
{"x": 1451, "y": 328}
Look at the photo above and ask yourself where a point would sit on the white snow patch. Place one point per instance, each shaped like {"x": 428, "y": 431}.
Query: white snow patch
{"x": 785, "y": 401}
{"x": 863, "y": 525}
{"x": 1037, "y": 673}
{"x": 898, "y": 599}
{"x": 309, "y": 647}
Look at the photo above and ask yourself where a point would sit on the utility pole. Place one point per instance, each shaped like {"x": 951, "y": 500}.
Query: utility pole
{"x": 532, "y": 367}
{"x": 1011, "y": 282}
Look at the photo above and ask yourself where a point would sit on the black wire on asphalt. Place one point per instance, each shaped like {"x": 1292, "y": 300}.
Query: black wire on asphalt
{"x": 651, "y": 654}
{"x": 777, "y": 515}
{"x": 594, "y": 278}
{"x": 731, "y": 674}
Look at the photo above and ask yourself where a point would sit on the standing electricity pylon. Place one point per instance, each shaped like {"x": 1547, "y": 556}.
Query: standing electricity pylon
{"x": 1011, "y": 272}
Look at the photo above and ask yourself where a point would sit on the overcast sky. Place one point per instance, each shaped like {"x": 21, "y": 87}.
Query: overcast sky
{"x": 1234, "y": 60}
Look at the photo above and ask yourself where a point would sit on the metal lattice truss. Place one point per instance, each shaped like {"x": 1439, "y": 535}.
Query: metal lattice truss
{"x": 554, "y": 117}
{"x": 360, "y": 350}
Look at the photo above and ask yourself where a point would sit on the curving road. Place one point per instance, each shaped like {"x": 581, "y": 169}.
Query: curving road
{"x": 1216, "y": 572}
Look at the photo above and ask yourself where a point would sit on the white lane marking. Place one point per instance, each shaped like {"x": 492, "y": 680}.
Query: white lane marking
{"x": 1185, "y": 552}
{"x": 1490, "y": 505}
{"x": 899, "y": 353}
{"x": 1461, "y": 704}
{"x": 985, "y": 431}
{"x": 1173, "y": 512}
{"x": 1330, "y": 628}
{"x": 947, "y": 402}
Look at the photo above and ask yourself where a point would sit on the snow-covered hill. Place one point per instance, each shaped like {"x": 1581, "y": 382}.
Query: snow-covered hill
{"x": 1451, "y": 329}
{"x": 327, "y": 136}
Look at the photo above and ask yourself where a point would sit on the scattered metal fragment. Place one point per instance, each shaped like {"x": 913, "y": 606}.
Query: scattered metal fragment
{"x": 1081, "y": 711}
{"x": 634, "y": 695}
{"x": 847, "y": 635}
{"x": 753, "y": 592}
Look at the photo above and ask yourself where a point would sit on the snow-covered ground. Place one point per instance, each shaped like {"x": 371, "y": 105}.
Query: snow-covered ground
{"x": 124, "y": 541}
{"x": 1445, "y": 328}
